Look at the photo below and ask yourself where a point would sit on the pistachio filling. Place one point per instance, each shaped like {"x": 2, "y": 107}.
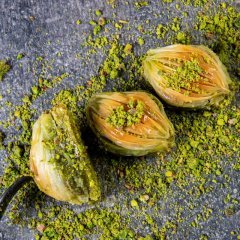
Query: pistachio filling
{"x": 57, "y": 143}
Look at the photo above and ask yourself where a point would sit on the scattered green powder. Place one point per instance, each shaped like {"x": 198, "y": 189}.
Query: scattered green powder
{"x": 207, "y": 144}
{"x": 140, "y": 41}
{"x": 78, "y": 22}
{"x": 113, "y": 65}
{"x": 140, "y": 4}
{"x": 20, "y": 56}
{"x": 161, "y": 31}
{"x": 92, "y": 22}
{"x": 175, "y": 26}
{"x": 221, "y": 28}
{"x": 2, "y": 136}
{"x": 4, "y": 69}
{"x": 96, "y": 29}
{"x": 92, "y": 221}
{"x": 118, "y": 26}
{"x": 183, "y": 38}
{"x": 168, "y": 1}
{"x": 98, "y": 13}
{"x": 126, "y": 116}
{"x": 134, "y": 204}
{"x": 195, "y": 3}
{"x": 128, "y": 48}
{"x": 102, "y": 21}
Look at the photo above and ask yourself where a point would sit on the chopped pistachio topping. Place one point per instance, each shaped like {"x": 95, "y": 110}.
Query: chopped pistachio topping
{"x": 127, "y": 115}
{"x": 187, "y": 73}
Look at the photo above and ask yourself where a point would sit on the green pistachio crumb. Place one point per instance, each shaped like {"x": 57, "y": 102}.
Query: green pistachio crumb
{"x": 128, "y": 48}
{"x": 134, "y": 203}
{"x": 126, "y": 116}
{"x": 78, "y": 22}
{"x": 4, "y": 69}
{"x": 2, "y": 137}
{"x": 92, "y": 22}
{"x": 98, "y": 12}
{"x": 169, "y": 174}
{"x": 187, "y": 73}
{"x": 96, "y": 29}
{"x": 102, "y": 21}
{"x": 20, "y": 56}
{"x": 140, "y": 41}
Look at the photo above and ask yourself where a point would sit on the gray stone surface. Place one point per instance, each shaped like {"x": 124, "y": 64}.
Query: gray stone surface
{"x": 44, "y": 28}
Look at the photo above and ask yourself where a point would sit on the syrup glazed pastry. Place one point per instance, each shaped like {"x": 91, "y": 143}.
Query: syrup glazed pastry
{"x": 130, "y": 123}
{"x": 186, "y": 75}
{"x": 58, "y": 159}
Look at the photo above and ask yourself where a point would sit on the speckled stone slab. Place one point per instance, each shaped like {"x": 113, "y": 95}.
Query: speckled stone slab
{"x": 47, "y": 28}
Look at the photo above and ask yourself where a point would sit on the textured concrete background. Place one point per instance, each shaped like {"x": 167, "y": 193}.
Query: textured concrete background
{"x": 44, "y": 28}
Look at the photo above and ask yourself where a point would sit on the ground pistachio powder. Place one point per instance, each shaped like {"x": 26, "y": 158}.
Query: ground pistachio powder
{"x": 126, "y": 116}
{"x": 186, "y": 74}
{"x": 4, "y": 69}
